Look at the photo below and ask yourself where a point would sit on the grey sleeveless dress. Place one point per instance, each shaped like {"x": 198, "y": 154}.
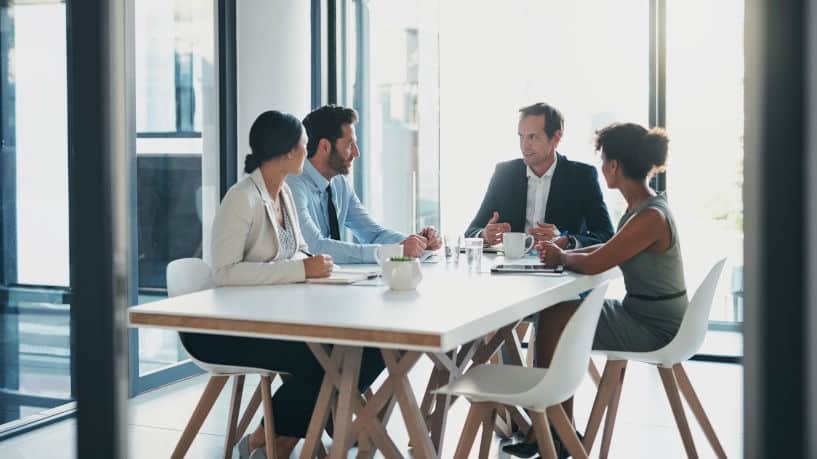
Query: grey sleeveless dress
{"x": 652, "y": 310}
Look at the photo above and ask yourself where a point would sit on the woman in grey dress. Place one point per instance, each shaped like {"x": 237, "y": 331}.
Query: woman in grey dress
{"x": 646, "y": 247}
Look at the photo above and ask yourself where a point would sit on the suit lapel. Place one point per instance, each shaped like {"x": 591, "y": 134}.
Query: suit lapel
{"x": 557, "y": 187}
{"x": 258, "y": 181}
{"x": 521, "y": 205}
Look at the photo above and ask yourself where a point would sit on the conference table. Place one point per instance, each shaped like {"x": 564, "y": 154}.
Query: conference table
{"x": 457, "y": 316}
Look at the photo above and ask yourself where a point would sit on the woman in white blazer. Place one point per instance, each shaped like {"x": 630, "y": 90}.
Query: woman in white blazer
{"x": 257, "y": 241}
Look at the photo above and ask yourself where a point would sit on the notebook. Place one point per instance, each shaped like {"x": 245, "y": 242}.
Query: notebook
{"x": 345, "y": 275}
{"x": 536, "y": 268}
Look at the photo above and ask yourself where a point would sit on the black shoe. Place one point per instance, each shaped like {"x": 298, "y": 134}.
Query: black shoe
{"x": 526, "y": 450}
{"x": 521, "y": 449}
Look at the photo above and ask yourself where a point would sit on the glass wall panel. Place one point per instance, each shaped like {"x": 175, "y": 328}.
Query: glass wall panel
{"x": 705, "y": 123}
{"x": 392, "y": 79}
{"x": 177, "y": 150}
{"x": 588, "y": 59}
{"x": 35, "y": 340}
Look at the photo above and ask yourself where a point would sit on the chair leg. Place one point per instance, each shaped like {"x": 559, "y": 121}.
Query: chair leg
{"x": 607, "y": 386}
{"x": 612, "y": 411}
{"x": 469, "y": 431}
{"x": 488, "y": 421}
{"x": 531, "y": 355}
{"x": 235, "y": 407}
{"x": 671, "y": 388}
{"x": 208, "y": 398}
{"x": 697, "y": 409}
{"x": 269, "y": 420}
{"x": 249, "y": 412}
{"x": 541, "y": 428}
{"x": 594, "y": 373}
{"x": 567, "y": 433}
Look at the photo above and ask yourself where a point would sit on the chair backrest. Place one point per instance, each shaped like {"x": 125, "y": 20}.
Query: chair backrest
{"x": 188, "y": 275}
{"x": 569, "y": 363}
{"x": 695, "y": 323}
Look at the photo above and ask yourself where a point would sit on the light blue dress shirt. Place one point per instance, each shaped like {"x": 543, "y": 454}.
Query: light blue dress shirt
{"x": 309, "y": 193}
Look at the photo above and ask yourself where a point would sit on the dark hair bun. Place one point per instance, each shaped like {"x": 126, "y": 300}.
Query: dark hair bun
{"x": 656, "y": 146}
{"x": 272, "y": 134}
{"x": 250, "y": 163}
{"x": 640, "y": 151}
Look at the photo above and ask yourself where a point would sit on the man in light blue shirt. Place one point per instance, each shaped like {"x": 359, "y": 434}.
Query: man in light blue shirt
{"x": 327, "y": 203}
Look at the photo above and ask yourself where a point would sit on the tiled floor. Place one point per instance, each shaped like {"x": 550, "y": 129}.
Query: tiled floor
{"x": 645, "y": 427}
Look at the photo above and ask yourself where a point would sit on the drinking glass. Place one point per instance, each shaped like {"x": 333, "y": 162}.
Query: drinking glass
{"x": 452, "y": 247}
{"x": 473, "y": 252}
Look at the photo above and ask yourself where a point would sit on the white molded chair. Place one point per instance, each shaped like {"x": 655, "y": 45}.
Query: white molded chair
{"x": 668, "y": 360}
{"x": 188, "y": 275}
{"x": 539, "y": 391}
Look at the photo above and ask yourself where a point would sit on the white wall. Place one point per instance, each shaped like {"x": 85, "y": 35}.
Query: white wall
{"x": 273, "y": 59}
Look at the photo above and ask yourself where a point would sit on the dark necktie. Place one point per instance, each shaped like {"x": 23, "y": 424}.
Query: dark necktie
{"x": 334, "y": 230}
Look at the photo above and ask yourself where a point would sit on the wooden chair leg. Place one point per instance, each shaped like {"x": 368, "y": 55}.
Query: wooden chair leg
{"x": 541, "y": 428}
{"x": 697, "y": 409}
{"x": 208, "y": 398}
{"x": 469, "y": 432}
{"x": 269, "y": 420}
{"x": 671, "y": 388}
{"x": 235, "y": 407}
{"x": 321, "y": 454}
{"x": 503, "y": 424}
{"x": 594, "y": 372}
{"x": 607, "y": 386}
{"x": 530, "y": 358}
{"x": 249, "y": 412}
{"x": 612, "y": 411}
{"x": 567, "y": 433}
{"x": 489, "y": 418}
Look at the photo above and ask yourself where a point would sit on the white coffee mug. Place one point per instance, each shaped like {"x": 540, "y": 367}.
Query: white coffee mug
{"x": 386, "y": 251}
{"x": 516, "y": 245}
{"x": 402, "y": 275}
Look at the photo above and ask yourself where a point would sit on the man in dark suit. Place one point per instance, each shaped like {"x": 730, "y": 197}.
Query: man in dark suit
{"x": 543, "y": 193}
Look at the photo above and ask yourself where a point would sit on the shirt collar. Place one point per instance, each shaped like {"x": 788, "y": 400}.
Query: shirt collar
{"x": 548, "y": 173}
{"x": 318, "y": 180}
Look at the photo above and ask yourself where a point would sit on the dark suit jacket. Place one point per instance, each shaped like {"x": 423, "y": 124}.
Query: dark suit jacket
{"x": 574, "y": 204}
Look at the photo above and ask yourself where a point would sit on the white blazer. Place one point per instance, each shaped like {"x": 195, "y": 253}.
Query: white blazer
{"x": 245, "y": 237}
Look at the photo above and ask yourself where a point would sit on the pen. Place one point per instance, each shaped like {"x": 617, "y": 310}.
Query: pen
{"x": 306, "y": 253}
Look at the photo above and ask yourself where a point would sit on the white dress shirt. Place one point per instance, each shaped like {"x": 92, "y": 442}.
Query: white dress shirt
{"x": 538, "y": 192}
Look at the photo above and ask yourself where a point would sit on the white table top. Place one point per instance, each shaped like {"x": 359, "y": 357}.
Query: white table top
{"x": 450, "y": 307}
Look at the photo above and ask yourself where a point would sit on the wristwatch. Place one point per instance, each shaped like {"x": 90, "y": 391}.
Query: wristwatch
{"x": 571, "y": 243}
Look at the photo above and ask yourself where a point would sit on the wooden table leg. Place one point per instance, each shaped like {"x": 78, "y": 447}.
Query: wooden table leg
{"x": 442, "y": 401}
{"x": 320, "y": 414}
{"x": 345, "y": 409}
{"x": 415, "y": 424}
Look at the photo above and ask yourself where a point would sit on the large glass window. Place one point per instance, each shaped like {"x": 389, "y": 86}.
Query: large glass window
{"x": 588, "y": 59}
{"x": 392, "y": 79}
{"x": 176, "y": 150}
{"x": 705, "y": 123}
{"x": 35, "y": 350}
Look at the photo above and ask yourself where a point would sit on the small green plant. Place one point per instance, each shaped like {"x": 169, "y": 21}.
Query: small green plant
{"x": 401, "y": 258}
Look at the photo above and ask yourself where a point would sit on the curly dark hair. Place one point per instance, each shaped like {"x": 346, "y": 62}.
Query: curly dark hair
{"x": 639, "y": 151}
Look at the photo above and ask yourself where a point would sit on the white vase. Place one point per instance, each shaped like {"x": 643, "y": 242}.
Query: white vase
{"x": 402, "y": 275}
